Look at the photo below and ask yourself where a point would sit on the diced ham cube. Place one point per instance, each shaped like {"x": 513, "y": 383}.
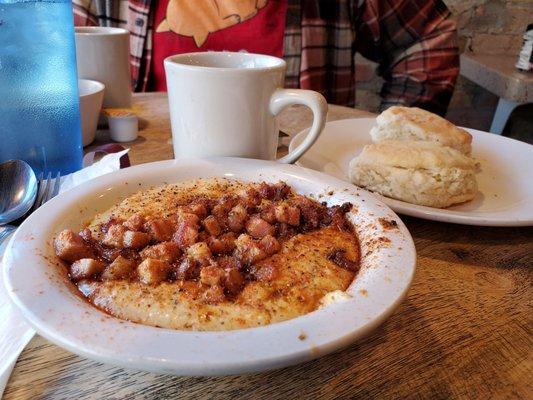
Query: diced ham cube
{"x": 237, "y": 218}
{"x": 71, "y": 247}
{"x": 282, "y": 190}
{"x": 85, "y": 268}
{"x": 220, "y": 211}
{"x": 109, "y": 223}
{"x": 276, "y": 191}
{"x": 114, "y": 236}
{"x": 131, "y": 254}
{"x": 86, "y": 234}
{"x": 228, "y": 262}
{"x": 120, "y": 268}
{"x": 199, "y": 209}
{"x": 250, "y": 198}
{"x": 224, "y": 244}
{"x": 288, "y": 214}
{"x": 248, "y": 251}
{"x": 268, "y": 211}
{"x": 215, "y": 294}
{"x": 270, "y": 245}
{"x": 266, "y": 191}
{"x": 173, "y": 219}
{"x": 285, "y": 230}
{"x": 228, "y": 239}
{"x": 160, "y": 229}
{"x": 215, "y": 245}
{"x": 109, "y": 254}
{"x": 152, "y": 271}
{"x": 230, "y": 200}
{"x": 166, "y": 251}
{"x": 188, "y": 218}
{"x": 212, "y": 226}
{"x": 203, "y": 236}
{"x": 186, "y": 234}
{"x": 337, "y": 217}
{"x": 265, "y": 273}
{"x": 211, "y": 275}
{"x": 187, "y": 269}
{"x": 200, "y": 253}
{"x": 311, "y": 212}
{"x": 257, "y": 227}
{"x": 135, "y": 240}
{"x": 233, "y": 281}
{"x": 135, "y": 222}
{"x": 340, "y": 258}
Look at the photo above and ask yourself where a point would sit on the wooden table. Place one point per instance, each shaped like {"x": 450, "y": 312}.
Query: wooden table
{"x": 464, "y": 330}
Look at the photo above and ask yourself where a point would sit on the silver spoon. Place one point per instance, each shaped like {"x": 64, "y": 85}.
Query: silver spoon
{"x": 18, "y": 189}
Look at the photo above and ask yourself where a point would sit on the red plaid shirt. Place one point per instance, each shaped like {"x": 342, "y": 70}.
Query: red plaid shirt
{"x": 414, "y": 42}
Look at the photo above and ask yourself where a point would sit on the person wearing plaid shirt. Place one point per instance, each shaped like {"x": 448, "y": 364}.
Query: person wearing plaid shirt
{"x": 414, "y": 43}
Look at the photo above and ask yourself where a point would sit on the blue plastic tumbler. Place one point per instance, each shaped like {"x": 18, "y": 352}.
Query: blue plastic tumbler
{"x": 39, "y": 103}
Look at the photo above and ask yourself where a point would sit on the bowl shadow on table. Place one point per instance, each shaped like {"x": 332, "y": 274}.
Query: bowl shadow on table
{"x": 102, "y": 137}
{"x": 373, "y": 367}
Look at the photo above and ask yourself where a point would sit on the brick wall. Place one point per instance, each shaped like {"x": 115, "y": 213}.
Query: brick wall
{"x": 486, "y": 26}
{"x": 494, "y": 26}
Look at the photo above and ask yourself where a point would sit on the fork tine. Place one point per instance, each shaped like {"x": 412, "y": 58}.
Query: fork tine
{"x": 57, "y": 185}
{"x": 47, "y": 187}
{"x": 40, "y": 192}
{"x": 46, "y": 190}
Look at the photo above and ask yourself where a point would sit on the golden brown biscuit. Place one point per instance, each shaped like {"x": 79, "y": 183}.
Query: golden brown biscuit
{"x": 416, "y": 172}
{"x": 412, "y": 123}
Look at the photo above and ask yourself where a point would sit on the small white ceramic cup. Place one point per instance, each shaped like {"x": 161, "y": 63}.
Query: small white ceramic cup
{"x": 91, "y": 98}
{"x": 123, "y": 128}
{"x": 102, "y": 54}
{"x": 224, "y": 104}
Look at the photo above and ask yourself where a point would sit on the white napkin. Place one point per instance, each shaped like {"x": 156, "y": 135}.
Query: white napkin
{"x": 15, "y": 333}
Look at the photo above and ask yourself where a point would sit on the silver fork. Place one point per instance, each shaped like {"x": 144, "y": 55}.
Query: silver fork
{"x": 47, "y": 190}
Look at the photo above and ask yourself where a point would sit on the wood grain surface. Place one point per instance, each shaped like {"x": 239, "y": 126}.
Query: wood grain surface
{"x": 464, "y": 330}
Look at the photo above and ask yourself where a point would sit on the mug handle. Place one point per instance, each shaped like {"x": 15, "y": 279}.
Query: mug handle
{"x": 315, "y": 101}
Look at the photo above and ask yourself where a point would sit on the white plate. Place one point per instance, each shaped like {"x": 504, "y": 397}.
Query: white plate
{"x": 52, "y": 305}
{"x": 505, "y": 196}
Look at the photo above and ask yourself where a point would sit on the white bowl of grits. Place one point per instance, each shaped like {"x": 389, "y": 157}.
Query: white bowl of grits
{"x": 173, "y": 312}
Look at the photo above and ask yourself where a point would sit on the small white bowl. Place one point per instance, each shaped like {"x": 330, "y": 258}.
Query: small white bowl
{"x": 91, "y": 98}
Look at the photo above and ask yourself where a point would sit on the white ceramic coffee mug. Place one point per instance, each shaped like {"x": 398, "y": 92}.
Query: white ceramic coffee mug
{"x": 224, "y": 104}
{"x": 102, "y": 54}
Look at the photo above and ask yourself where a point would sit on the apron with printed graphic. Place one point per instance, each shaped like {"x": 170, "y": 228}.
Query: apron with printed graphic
{"x": 184, "y": 26}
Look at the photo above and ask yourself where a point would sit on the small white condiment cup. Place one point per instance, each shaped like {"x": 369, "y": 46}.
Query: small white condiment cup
{"x": 123, "y": 128}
